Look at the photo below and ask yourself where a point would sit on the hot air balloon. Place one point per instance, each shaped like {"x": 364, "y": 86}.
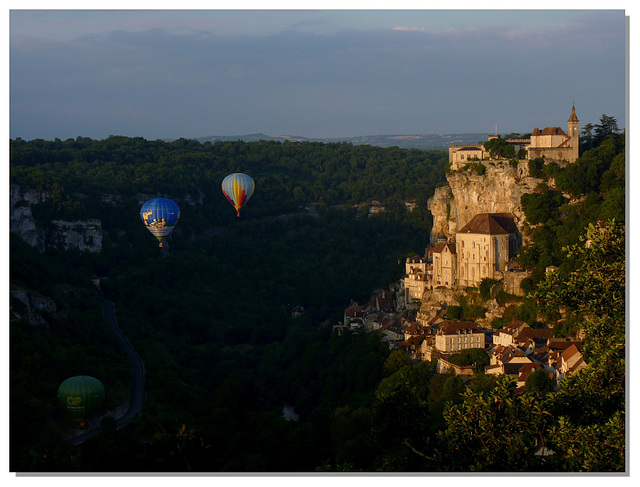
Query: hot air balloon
{"x": 80, "y": 395}
{"x": 238, "y": 188}
{"x": 160, "y": 216}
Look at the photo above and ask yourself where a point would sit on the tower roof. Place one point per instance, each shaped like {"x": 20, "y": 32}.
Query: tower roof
{"x": 573, "y": 117}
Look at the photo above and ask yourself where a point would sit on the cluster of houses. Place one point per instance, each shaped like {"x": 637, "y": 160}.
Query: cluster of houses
{"x": 516, "y": 350}
{"x": 485, "y": 247}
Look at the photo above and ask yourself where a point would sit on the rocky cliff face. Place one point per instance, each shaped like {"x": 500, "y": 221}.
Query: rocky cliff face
{"x": 78, "y": 235}
{"x": 30, "y": 306}
{"x": 23, "y": 225}
{"x": 498, "y": 190}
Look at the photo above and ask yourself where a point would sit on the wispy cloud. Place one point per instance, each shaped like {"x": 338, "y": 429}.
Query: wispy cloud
{"x": 410, "y": 29}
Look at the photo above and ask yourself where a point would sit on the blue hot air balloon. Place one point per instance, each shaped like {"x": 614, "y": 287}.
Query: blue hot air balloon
{"x": 238, "y": 188}
{"x": 160, "y": 216}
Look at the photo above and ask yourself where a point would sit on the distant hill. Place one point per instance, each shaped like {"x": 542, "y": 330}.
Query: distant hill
{"x": 422, "y": 141}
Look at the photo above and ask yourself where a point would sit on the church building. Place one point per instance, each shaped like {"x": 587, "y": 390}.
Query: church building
{"x": 482, "y": 249}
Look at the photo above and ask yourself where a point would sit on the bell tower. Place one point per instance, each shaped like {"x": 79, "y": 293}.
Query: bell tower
{"x": 573, "y": 128}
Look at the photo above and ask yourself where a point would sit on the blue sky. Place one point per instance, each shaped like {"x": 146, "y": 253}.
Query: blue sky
{"x": 312, "y": 73}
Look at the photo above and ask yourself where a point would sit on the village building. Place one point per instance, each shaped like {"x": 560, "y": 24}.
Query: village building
{"x": 552, "y": 143}
{"x": 416, "y": 278}
{"x": 455, "y": 335}
{"x": 444, "y": 264}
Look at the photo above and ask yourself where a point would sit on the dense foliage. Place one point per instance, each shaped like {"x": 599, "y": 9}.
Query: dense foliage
{"x": 211, "y": 315}
{"x": 590, "y": 434}
{"x": 571, "y": 198}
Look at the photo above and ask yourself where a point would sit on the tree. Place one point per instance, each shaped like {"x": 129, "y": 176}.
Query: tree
{"x": 485, "y": 288}
{"x": 590, "y": 405}
{"x": 543, "y": 205}
{"x": 471, "y": 356}
{"x": 539, "y": 382}
{"x": 586, "y": 137}
{"x": 536, "y": 167}
{"x": 495, "y": 431}
{"x": 396, "y": 361}
{"x": 499, "y": 148}
{"x": 607, "y": 126}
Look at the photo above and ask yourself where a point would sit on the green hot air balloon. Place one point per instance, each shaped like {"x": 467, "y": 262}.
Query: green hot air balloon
{"x": 80, "y": 395}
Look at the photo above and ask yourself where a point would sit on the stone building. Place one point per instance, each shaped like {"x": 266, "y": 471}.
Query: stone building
{"x": 444, "y": 265}
{"x": 552, "y": 143}
{"x": 481, "y": 249}
{"x": 454, "y": 335}
{"x": 416, "y": 278}
{"x": 484, "y": 246}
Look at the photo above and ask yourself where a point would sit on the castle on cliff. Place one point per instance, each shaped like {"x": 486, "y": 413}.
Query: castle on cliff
{"x": 552, "y": 143}
{"x": 486, "y": 243}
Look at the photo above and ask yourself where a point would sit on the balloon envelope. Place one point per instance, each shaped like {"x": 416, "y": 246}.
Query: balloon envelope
{"x": 80, "y": 395}
{"x": 238, "y": 188}
{"x": 160, "y": 216}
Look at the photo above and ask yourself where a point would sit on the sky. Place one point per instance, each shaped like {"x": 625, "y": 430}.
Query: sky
{"x": 165, "y": 74}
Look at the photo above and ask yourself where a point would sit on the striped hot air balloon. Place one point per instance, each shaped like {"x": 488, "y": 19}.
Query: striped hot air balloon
{"x": 238, "y": 188}
{"x": 160, "y": 216}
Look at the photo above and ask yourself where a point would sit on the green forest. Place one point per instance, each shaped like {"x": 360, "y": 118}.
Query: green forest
{"x": 211, "y": 314}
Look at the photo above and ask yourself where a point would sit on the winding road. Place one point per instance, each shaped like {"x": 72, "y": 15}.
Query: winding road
{"x": 137, "y": 393}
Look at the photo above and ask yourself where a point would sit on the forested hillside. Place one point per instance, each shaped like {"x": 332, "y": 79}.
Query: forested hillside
{"x": 211, "y": 314}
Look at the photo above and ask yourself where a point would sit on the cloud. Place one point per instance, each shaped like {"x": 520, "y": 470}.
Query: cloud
{"x": 410, "y": 29}
{"x": 199, "y": 80}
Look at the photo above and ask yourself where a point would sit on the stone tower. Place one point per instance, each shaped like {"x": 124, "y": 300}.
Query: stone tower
{"x": 573, "y": 127}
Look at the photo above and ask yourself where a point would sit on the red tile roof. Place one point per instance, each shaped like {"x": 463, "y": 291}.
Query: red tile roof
{"x": 491, "y": 224}
{"x": 451, "y": 327}
{"x": 442, "y": 245}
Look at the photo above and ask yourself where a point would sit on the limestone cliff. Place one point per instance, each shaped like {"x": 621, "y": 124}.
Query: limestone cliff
{"x": 30, "y": 306}
{"x": 24, "y": 226}
{"x": 468, "y": 193}
{"x": 78, "y": 235}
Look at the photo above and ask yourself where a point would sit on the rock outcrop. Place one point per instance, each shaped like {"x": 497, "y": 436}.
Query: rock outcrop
{"x": 22, "y": 224}
{"x": 468, "y": 193}
{"x": 30, "y": 306}
{"x": 77, "y": 235}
